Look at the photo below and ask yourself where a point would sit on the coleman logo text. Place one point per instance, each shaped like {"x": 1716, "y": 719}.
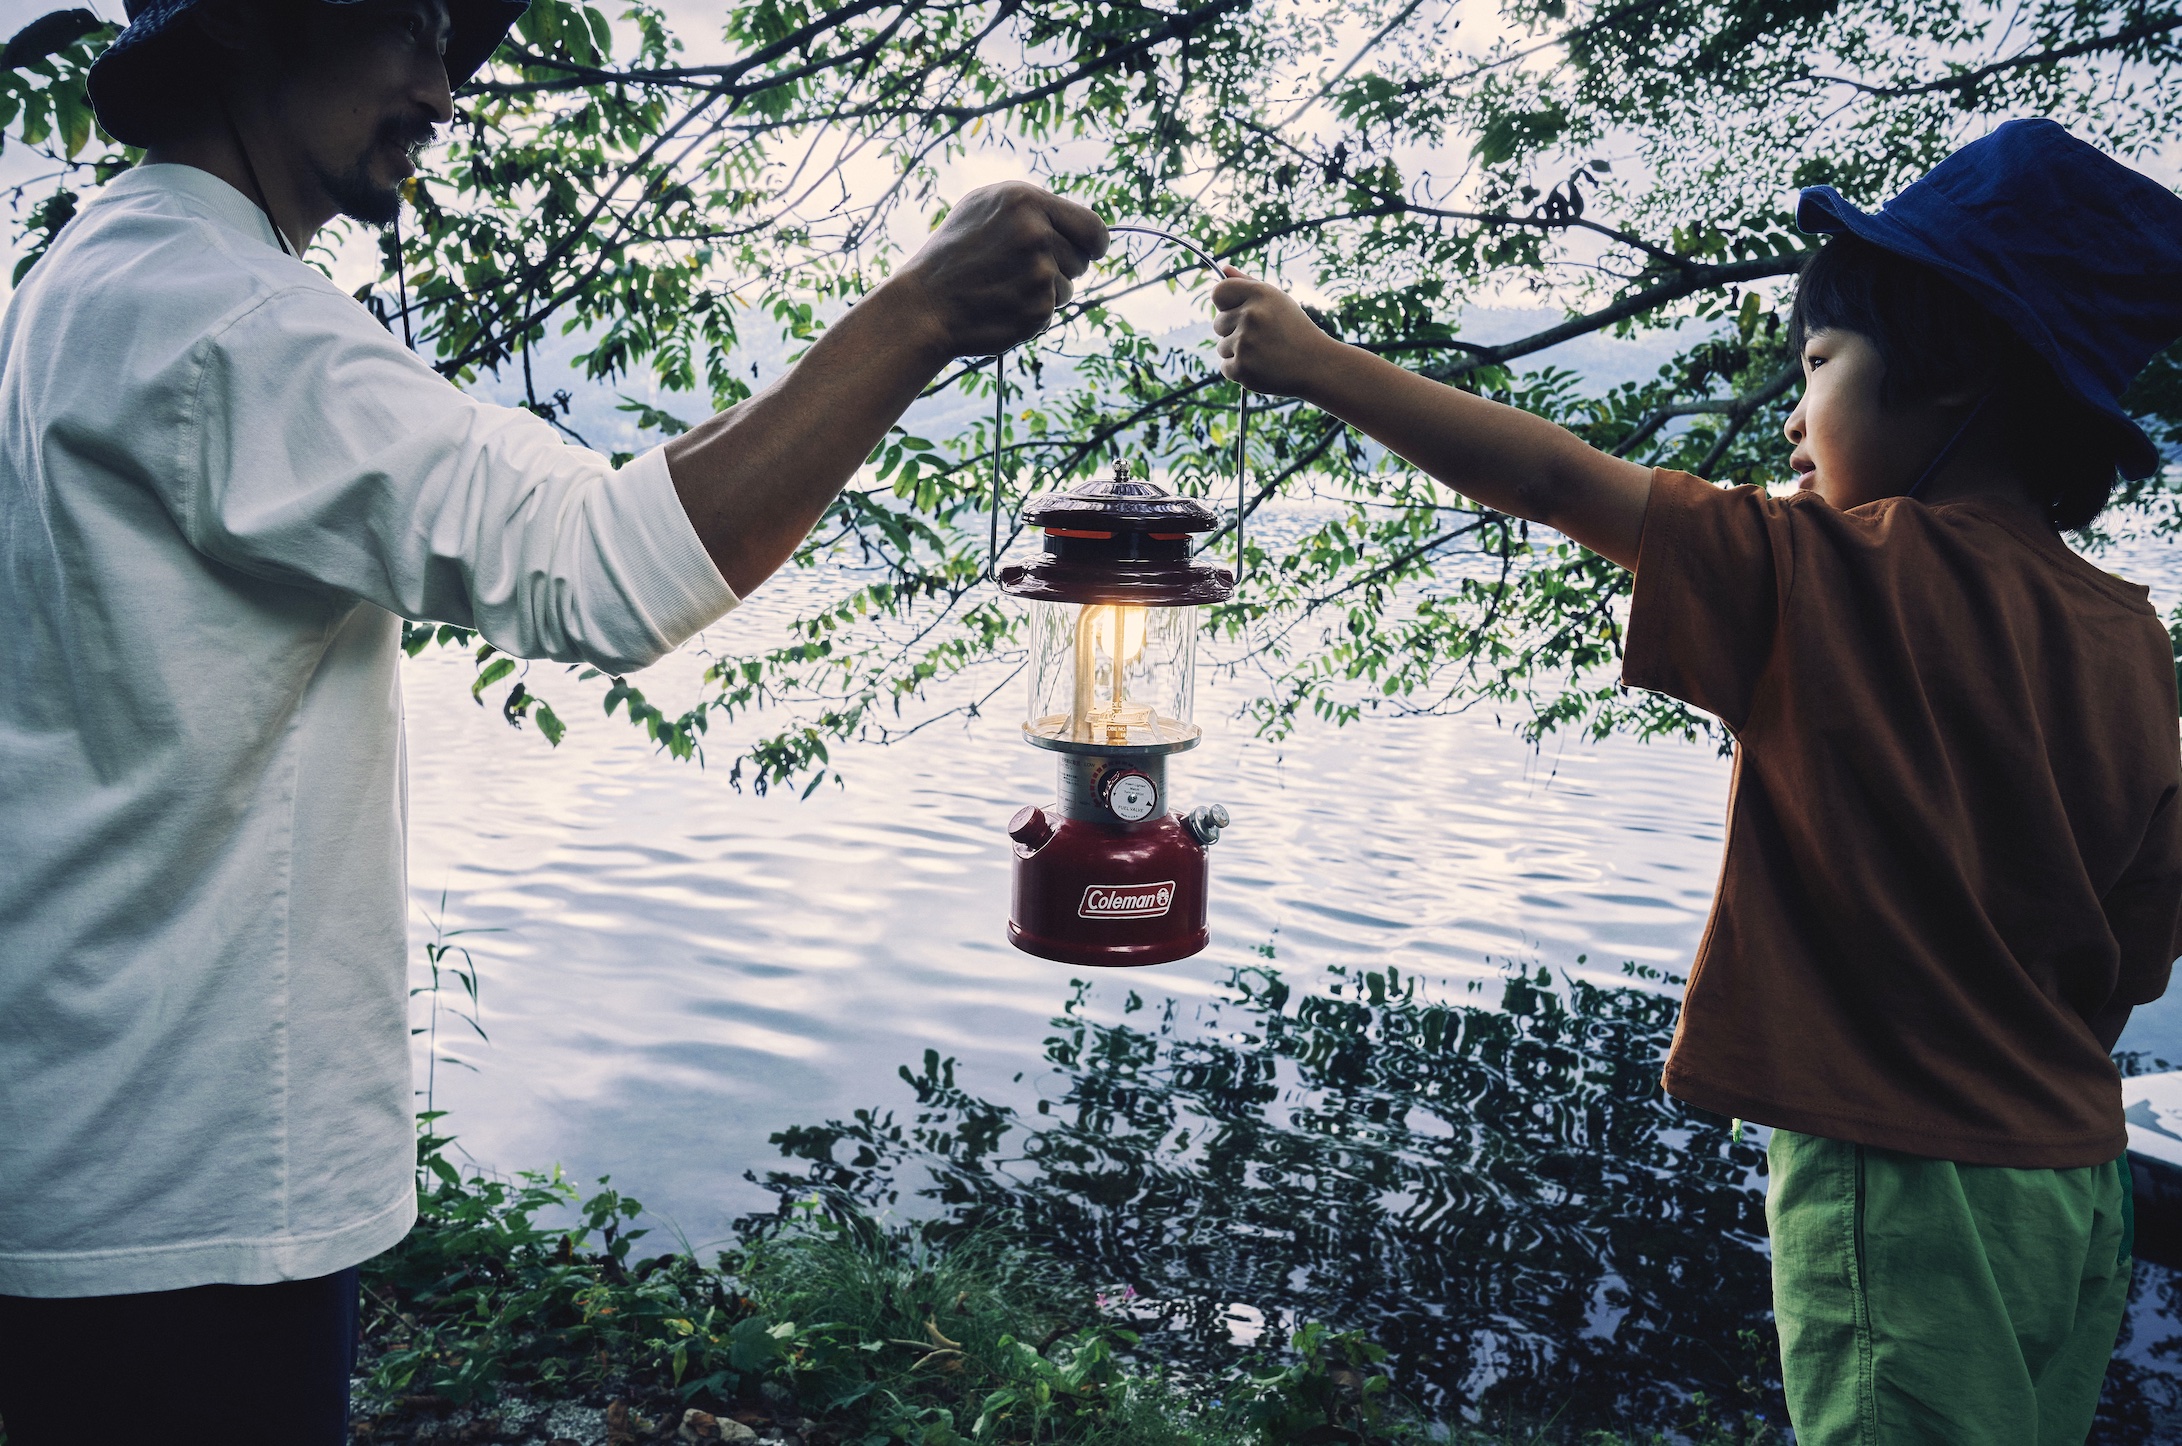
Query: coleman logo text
{"x": 1126, "y": 901}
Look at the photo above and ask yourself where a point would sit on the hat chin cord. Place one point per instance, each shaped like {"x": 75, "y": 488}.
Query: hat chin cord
{"x": 1942, "y": 457}
{"x": 258, "y": 188}
{"x": 251, "y": 172}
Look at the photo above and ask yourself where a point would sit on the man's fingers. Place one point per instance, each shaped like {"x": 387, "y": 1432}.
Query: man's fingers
{"x": 1226, "y": 321}
{"x": 1005, "y": 261}
{"x": 1082, "y": 228}
{"x": 1234, "y": 291}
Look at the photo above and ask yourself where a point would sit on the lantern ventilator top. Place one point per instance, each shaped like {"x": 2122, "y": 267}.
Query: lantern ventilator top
{"x": 1113, "y": 620}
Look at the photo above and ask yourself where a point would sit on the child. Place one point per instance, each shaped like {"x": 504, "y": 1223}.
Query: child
{"x": 1954, "y": 854}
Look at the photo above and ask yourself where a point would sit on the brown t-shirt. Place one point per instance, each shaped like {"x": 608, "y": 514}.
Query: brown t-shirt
{"x": 1954, "y": 839}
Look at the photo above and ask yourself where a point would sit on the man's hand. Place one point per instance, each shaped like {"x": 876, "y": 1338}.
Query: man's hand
{"x": 757, "y": 477}
{"x": 1266, "y": 341}
{"x": 996, "y": 269}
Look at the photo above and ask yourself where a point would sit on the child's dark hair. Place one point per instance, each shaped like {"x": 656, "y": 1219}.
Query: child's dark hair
{"x": 1932, "y": 337}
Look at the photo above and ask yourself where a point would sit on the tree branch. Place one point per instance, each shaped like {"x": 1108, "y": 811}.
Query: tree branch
{"x": 2146, "y": 29}
{"x": 586, "y": 75}
{"x": 1737, "y": 409}
{"x": 1691, "y": 281}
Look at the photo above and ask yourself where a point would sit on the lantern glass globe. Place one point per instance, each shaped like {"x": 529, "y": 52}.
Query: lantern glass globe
{"x": 1112, "y": 675}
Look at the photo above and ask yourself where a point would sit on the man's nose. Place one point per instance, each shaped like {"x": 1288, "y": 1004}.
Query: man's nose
{"x": 433, "y": 93}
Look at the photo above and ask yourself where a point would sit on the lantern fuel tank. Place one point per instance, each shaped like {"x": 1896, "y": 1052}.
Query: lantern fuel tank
{"x": 1110, "y": 873}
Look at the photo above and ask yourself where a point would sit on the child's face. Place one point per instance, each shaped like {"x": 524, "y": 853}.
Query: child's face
{"x": 1849, "y": 447}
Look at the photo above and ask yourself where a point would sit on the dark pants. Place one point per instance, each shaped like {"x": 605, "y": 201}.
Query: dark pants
{"x": 236, "y": 1365}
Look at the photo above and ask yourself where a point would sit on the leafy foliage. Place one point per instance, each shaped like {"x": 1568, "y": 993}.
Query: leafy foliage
{"x": 484, "y": 1291}
{"x": 1627, "y": 163}
{"x": 976, "y": 1342}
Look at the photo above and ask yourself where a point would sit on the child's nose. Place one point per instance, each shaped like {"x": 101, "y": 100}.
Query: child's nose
{"x": 1793, "y": 427}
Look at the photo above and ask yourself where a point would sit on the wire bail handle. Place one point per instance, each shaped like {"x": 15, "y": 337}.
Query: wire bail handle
{"x": 1242, "y": 425}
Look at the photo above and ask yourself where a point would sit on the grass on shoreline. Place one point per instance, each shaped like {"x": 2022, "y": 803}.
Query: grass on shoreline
{"x": 826, "y": 1331}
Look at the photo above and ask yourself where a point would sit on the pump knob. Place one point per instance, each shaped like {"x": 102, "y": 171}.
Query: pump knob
{"x": 1206, "y": 822}
{"x": 1030, "y": 827}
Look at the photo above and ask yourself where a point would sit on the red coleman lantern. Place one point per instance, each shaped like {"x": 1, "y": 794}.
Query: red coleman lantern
{"x": 1110, "y": 874}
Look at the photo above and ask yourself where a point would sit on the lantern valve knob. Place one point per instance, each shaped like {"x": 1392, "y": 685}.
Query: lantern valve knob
{"x": 1206, "y": 822}
{"x": 1129, "y": 794}
{"x": 1030, "y": 827}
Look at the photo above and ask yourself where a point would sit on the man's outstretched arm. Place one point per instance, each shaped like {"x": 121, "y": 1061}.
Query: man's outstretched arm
{"x": 756, "y": 478}
{"x": 1504, "y": 457}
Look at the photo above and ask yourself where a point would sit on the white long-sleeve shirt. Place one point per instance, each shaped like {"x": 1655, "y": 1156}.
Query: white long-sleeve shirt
{"x": 220, "y": 482}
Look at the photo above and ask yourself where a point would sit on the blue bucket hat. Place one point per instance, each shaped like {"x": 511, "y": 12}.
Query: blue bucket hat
{"x": 144, "y": 72}
{"x": 2074, "y": 252}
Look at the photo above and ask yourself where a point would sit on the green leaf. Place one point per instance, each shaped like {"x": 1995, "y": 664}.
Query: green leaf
{"x": 488, "y": 675}
{"x": 72, "y": 113}
{"x": 755, "y": 1343}
{"x": 1509, "y": 134}
{"x": 549, "y": 722}
{"x": 49, "y": 34}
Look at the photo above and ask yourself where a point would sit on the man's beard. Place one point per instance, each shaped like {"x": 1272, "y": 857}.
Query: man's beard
{"x": 361, "y": 198}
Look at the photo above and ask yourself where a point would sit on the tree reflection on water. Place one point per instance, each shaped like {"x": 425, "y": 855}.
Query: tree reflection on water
{"x": 1502, "y": 1196}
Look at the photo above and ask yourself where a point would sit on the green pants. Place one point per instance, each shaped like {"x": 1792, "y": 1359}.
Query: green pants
{"x": 1922, "y": 1301}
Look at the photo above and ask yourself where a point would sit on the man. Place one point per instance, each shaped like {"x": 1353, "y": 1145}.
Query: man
{"x": 221, "y": 483}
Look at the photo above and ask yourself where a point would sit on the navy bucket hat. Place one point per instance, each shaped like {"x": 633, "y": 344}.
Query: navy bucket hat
{"x": 143, "y": 74}
{"x": 2074, "y": 252}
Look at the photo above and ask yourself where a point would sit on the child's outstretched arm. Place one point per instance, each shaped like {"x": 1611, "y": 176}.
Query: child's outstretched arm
{"x": 1504, "y": 457}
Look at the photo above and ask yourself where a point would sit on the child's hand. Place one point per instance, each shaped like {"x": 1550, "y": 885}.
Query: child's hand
{"x": 1266, "y": 342}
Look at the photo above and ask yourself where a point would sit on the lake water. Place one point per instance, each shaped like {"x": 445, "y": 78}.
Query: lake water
{"x": 681, "y": 971}
{"x": 685, "y": 968}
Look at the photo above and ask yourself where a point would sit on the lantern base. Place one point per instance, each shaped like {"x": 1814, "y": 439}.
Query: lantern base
{"x": 1110, "y": 956}
{"x": 1106, "y": 895}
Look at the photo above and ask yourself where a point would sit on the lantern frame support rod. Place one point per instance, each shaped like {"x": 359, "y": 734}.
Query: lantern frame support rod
{"x": 1242, "y": 422}
{"x": 1242, "y": 393}
{"x": 1000, "y": 412}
